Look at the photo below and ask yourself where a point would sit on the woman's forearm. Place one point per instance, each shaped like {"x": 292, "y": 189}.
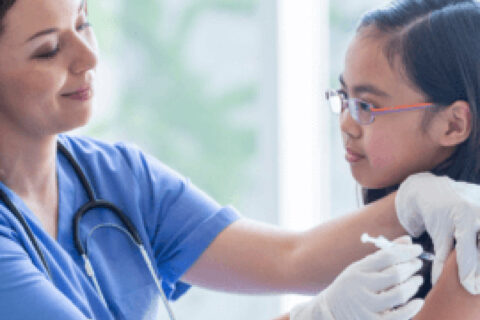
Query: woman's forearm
{"x": 250, "y": 257}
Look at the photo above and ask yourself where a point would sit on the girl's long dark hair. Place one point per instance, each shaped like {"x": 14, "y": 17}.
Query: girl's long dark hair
{"x": 438, "y": 42}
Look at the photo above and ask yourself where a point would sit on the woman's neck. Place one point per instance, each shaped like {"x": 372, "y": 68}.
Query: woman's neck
{"x": 27, "y": 166}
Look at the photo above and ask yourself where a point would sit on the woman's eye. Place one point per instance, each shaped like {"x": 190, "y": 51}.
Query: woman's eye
{"x": 53, "y": 53}
{"x": 49, "y": 54}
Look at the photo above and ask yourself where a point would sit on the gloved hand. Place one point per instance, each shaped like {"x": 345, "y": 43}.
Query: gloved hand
{"x": 446, "y": 209}
{"x": 370, "y": 288}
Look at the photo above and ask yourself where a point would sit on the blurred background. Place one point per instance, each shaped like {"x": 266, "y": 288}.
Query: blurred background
{"x": 230, "y": 94}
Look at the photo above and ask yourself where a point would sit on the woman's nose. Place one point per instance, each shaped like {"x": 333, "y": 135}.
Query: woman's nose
{"x": 349, "y": 126}
{"x": 85, "y": 56}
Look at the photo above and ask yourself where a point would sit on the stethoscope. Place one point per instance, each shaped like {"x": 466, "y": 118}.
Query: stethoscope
{"x": 92, "y": 203}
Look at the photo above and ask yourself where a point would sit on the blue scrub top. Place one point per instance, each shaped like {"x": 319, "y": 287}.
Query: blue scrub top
{"x": 176, "y": 221}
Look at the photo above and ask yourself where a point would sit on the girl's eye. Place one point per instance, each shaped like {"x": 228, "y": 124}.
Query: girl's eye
{"x": 342, "y": 93}
{"x": 364, "y": 106}
{"x": 84, "y": 26}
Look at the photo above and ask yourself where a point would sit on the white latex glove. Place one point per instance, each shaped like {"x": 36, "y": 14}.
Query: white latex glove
{"x": 370, "y": 288}
{"x": 446, "y": 209}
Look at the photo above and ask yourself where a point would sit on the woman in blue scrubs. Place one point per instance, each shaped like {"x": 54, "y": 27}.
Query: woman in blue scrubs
{"x": 47, "y": 68}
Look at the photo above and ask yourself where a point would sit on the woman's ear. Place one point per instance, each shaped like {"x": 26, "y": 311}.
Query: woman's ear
{"x": 456, "y": 124}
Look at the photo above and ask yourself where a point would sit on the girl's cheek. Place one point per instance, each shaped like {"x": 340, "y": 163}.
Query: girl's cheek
{"x": 380, "y": 152}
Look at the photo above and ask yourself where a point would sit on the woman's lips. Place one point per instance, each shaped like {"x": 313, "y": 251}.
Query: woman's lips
{"x": 82, "y": 95}
{"x": 352, "y": 156}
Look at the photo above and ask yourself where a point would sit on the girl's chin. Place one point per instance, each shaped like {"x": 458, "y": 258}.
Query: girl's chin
{"x": 371, "y": 182}
{"x": 373, "y": 186}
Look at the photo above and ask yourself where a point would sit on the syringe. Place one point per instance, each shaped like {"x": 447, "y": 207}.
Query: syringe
{"x": 382, "y": 243}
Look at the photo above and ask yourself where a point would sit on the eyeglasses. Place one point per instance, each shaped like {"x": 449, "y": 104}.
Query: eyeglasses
{"x": 364, "y": 112}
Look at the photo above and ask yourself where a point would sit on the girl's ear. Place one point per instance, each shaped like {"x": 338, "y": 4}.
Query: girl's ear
{"x": 456, "y": 124}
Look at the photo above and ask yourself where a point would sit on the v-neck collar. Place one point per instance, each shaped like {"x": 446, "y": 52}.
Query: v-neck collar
{"x": 29, "y": 215}
{"x": 21, "y": 206}
{"x": 69, "y": 194}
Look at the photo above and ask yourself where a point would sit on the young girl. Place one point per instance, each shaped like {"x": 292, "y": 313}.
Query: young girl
{"x": 408, "y": 103}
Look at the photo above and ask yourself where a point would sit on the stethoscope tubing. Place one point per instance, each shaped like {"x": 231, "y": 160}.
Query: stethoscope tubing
{"x": 27, "y": 229}
{"x": 92, "y": 203}
{"x": 95, "y": 204}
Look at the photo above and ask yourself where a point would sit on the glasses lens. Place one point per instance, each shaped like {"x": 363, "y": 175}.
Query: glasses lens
{"x": 334, "y": 101}
{"x": 360, "y": 111}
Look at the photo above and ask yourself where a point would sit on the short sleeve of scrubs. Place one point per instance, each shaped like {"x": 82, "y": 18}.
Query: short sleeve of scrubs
{"x": 179, "y": 220}
{"x": 175, "y": 220}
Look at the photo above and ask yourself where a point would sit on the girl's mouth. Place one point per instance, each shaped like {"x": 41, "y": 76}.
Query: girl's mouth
{"x": 352, "y": 156}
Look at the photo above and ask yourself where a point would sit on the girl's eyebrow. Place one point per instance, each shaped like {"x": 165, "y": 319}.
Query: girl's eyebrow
{"x": 364, "y": 88}
{"x": 53, "y": 30}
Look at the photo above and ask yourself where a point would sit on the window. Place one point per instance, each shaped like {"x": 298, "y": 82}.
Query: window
{"x": 194, "y": 83}
{"x": 230, "y": 94}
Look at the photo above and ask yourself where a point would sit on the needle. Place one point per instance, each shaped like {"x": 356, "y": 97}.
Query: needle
{"x": 382, "y": 243}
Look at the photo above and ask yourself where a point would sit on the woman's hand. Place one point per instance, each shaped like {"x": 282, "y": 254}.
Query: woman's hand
{"x": 447, "y": 210}
{"x": 376, "y": 287}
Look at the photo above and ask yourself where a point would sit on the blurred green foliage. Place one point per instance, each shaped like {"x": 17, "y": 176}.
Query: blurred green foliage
{"x": 167, "y": 107}
{"x": 344, "y": 18}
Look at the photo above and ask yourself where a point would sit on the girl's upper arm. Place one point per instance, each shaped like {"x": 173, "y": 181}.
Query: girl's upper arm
{"x": 448, "y": 299}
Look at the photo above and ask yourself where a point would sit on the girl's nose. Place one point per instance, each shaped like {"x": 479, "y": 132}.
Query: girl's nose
{"x": 349, "y": 126}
